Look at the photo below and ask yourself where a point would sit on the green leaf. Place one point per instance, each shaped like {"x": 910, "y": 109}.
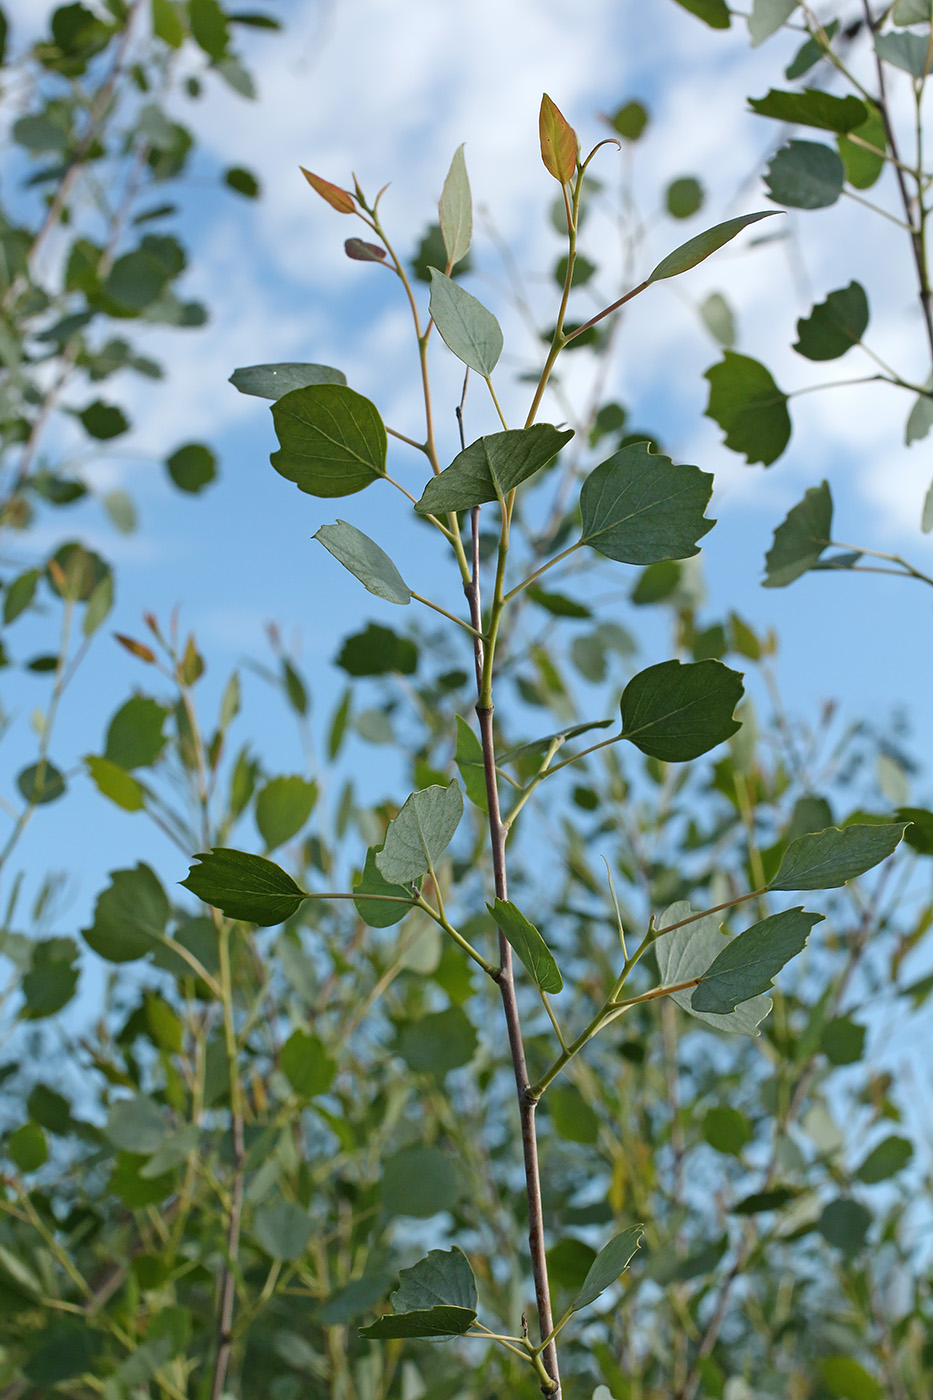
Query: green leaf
{"x": 442, "y": 1278}
{"x": 380, "y": 913}
{"x": 103, "y": 420}
{"x": 243, "y": 181}
{"x": 919, "y": 423}
{"x": 611, "y": 1261}
{"x": 52, "y": 978}
{"x": 824, "y": 860}
{"x": 166, "y": 23}
{"x": 421, "y": 832}
{"x": 244, "y": 886}
{"x": 809, "y": 53}
{"x": 99, "y": 605}
{"x": 812, "y": 107}
{"x": 62, "y": 1351}
{"x": 688, "y": 952}
{"x": 885, "y": 1160}
{"x": 528, "y": 944}
{"x": 136, "y": 1125}
{"x": 114, "y": 782}
{"x": 467, "y": 329}
{"x": 845, "y": 1224}
{"x": 715, "y": 13}
{"x": 28, "y": 1148}
{"x": 364, "y": 559}
{"x": 766, "y": 18}
{"x": 847, "y": 1378}
{"x": 356, "y": 1297}
{"x": 437, "y": 1043}
{"x": 456, "y": 210}
{"x": 834, "y": 325}
{"x": 842, "y": 1041}
{"x": 306, "y": 1064}
{"x": 631, "y": 118}
{"x": 639, "y": 507}
{"x": 20, "y": 592}
{"x": 805, "y": 175}
{"x": 282, "y": 808}
{"x": 173, "y": 1151}
{"x": 432, "y": 253}
{"x": 557, "y": 604}
{"x": 684, "y": 197}
{"x": 676, "y": 711}
{"x": 491, "y": 467}
{"x": 333, "y": 442}
{"x": 546, "y": 740}
{"x": 134, "y": 735}
{"x": 129, "y": 916}
{"x": 420, "y": 1181}
{"x": 40, "y": 783}
{"x": 192, "y": 467}
{"x": 863, "y": 167}
{"x": 282, "y": 1230}
{"x": 273, "y": 381}
{"x": 376, "y": 651}
{"x": 209, "y": 27}
{"x": 716, "y": 315}
{"x": 74, "y": 572}
{"x": 727, "y": 1130}
{"x": 912, "y": 12}
{"x": 749, "y": 407}
{"x": 696, "y": 249}
{"x": 469, "y": 760}
{"x": 910, "y": 52}
{"x": 800, "y": 538}
{"x": 748, "y": 964}
{"x": 573, "y": 1118}
{"x": 427, "y": 1322}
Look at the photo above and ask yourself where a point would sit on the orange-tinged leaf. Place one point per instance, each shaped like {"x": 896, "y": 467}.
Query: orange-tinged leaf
{"x": 559, "y": 144}
{"x": 135, "y": 648}
{"x": 338, "y": 199}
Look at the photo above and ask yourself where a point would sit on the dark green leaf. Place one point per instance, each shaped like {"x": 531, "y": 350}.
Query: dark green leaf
{"x": 696, "y": 249}
{"x": 20, "y": 593}
{"x": 432, "y": 253}
{"x": 640, "y": 508}
{"x": 103, "y": 420}
{"x": 192, "y": 467}
{"x": 573, "y": 1118}
{"x": 442, "y": 1279}
{"x": 428, "y": 1322}
{"x": 282, "y": 1230}
{"x": 306, "y": 1064}
{"x": 715, "y": 13}
{"x": 421, "y": 832}
{"x": 380, "y": 913}
{"x": 420, "y": 1181}
{"x": 800, "y": 538}
{"x": 129, "y": 916}
{"x": 468, "y": 330}
{"x": 824, "y": 860}
{"x": 688, "y": 952}
{"x": 748, "y": 964}
{"x": 676, "y": 711}
{"x": 805, "y": 175}
{"x": 845, "y": 1224}
{"x": 456, "y": 210}
{"x": 809, "y": 53}
{"x": 356, "y": 1297}
{"x": 135, "y": 737}
{"x": 812, "y": 107}
{"x": 631, "y": 119}
{"x": 52, "y": 978}
{"x": 244, "y": 886}
{"x": 684, "y": 197}
{"x": 491, "y": 467}
{"x": 557, "y": 604}
{"x": 437, "y": 1043}
{"x": 834, "y": 325}
{"x": 243, "y": 181}
{"x": 885, "y": 1160}
{"x": 376, "y": 651}
{"x": 842, "y": 1041}
{"x": 75, "y": 573}
{"x": 282, "y": 808}
{"x": 28, "y": 1148}
{"x": 41, "y": 782}
{"x": 273, "y": 381}
{"x": 760, "y": 1201}
{"x": 469, "y": 760}
{"x": 333, "y": 442}
{"x": 62, "y": 1351}
{"x": 749, "y": 407}
{"x": 727, "y": 1130}
{"x": 364, "y": 559}
{"x": 209, "y": 27}
{"x": 611, "y": 1261}
{"x": 847, "y": 1378}
{"x": 528, "y": 944}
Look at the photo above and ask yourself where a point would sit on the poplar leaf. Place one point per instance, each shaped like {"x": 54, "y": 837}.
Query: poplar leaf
{"x": 834, "y": 325}
{"x": 424, "y": 1322}
{"x": 337, "y": 198}
{"x": 715, "y": 13}
{"x": 749, "y": 407}
{"x": 800, "y": 538}
{"x": 456, "y": 210}
{"x": 766, "y": 18}
{"x": 676, "y": 711}
{"x": 333, "y": 442}
{"x": 528, "y": 944}
{"x": 491, "y": 467}
{"x": 467, "y": 329}
{"x": 421, "y": 832}
{"x": 611, "y": 1261}
{"x": 696, "y": 249}
{"x": 686, "y": 953}
{"x": 639, "y": 507}
{"x": 559, "y": 145}
{"x": 805, "y": 175}
{"x": 824, "y": 860}
{"x": 272, "y": 381}
{"x": 365, "y": 560}
{"x": 380, "y": 913}
{"x": 748, "y": 963}
{"x": 244, "y": 886}
{"x": 469, "y": 760}
{"x": 812, "y": 107}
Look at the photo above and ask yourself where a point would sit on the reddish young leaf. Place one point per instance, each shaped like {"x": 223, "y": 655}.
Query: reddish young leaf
{"x": 338, "y": 199}
{"x": 360, "y": 251}
{"x": 135, "y": 648}
{"x": 558, "y": 142}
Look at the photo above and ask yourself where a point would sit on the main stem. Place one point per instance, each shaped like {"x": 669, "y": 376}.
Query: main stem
{"x": 505, "y": 978}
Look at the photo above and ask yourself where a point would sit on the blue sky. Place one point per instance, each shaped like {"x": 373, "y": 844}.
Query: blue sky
{"x": 389, "y": 92}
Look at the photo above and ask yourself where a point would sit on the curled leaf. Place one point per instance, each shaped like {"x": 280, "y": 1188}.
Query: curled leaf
{"x": 337, "y": 198}
{"x": 361, "y": 251}
{"x": 559, "y": 144}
